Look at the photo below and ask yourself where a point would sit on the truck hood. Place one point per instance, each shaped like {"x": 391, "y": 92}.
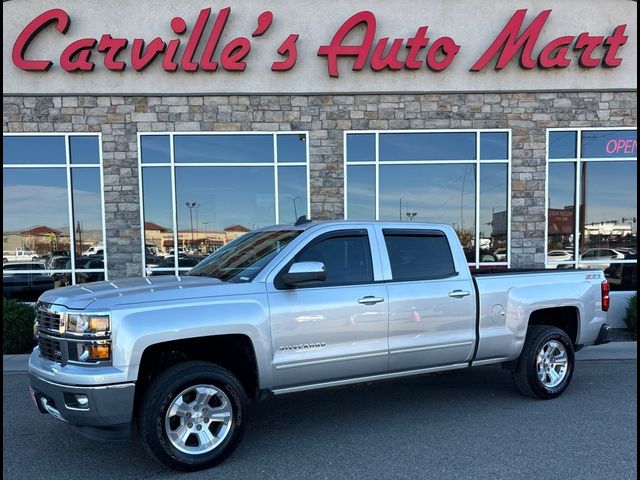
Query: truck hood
{"x": 128, "y": 291}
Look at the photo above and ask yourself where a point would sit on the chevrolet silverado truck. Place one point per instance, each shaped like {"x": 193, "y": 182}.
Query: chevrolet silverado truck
{"x": 297, "y": 307}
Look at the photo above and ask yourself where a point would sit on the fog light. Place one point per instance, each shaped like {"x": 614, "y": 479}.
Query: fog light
{"x": 93, "y": 353}
{"x": 78, "y": 401}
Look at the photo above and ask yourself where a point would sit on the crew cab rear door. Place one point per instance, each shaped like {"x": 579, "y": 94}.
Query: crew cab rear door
{"x": 431, "y": 298}
{"x": 336, "y": 328}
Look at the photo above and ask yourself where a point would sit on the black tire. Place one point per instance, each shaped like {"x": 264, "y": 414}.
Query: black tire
{"x": 525, "y": 373}
{"x": 162, "y": 392}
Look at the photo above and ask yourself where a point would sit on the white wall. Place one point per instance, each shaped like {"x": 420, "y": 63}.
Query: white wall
{"x": 618, "y": 308}
{"x": 472, "y": 23}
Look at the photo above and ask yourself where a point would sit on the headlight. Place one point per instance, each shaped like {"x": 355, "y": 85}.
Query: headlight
{"x": 86, "y": 323}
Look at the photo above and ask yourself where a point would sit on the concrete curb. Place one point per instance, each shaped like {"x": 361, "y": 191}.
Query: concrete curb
{"x": 609, "y": 351}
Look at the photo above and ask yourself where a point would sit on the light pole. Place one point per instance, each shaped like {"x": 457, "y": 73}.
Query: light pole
{"x": 191, "y": 206}
{"x": 206, "y": 232}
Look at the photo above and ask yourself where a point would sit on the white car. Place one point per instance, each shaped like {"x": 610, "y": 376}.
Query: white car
{"x": 501, "y": 254}
{"x": 600, "y": 258}
{"x": 97, "y": 249}
{"x": 19, "y": 256}
{"x": 559, "y": 256}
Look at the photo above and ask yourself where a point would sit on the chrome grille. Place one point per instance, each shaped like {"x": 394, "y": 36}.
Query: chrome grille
{"x": 50, "y": 348}
{"x": 48, "y": 320}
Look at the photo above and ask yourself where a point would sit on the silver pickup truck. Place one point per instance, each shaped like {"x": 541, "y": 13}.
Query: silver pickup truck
{"x": 291, "y": 308}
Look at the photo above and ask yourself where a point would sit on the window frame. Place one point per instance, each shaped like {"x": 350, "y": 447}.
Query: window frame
{"x": 577, "y": 193}
{"x": 172, "y": 164}
{"x": 68, "y": 166}
{"x": 477, "y": 163}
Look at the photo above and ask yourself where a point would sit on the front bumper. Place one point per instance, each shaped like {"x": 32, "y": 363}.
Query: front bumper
{"x": 603, "y": 335}
{"x": 106, "y": 414}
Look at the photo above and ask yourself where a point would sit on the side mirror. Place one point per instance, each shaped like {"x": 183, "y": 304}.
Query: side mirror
{"x": 304, "y": 272}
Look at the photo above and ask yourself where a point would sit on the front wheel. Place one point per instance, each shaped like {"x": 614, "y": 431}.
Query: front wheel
{"x": 545, "y": 366}
{"x": 193, "y": 416}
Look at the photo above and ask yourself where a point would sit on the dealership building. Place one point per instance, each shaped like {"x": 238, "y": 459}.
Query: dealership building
{"x": 145, "y": 135}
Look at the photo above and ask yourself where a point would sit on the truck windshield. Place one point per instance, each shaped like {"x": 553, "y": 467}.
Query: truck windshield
{"x": 242, "y": 259}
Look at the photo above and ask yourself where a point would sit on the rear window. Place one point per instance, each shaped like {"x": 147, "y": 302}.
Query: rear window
{"x": 418, "y": 256}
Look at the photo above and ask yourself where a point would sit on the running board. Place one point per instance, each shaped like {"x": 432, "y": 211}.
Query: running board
{"x": 370, "y": 378}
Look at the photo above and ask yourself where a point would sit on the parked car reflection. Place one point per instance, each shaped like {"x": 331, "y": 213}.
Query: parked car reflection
{"x": 184, "y": 261}
{"x": 26, "y": 287}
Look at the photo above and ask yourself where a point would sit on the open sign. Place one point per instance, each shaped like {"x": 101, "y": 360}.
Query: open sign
{"x": 609, "y": 143}
{"x": 621, "y": 145}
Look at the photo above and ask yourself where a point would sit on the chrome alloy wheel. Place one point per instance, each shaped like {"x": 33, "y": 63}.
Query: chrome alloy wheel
{"x": 198, "y": 419}
{"x": 552, "y": 363}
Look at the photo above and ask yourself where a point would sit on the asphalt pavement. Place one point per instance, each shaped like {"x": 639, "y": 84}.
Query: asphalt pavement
{"x": 466, "y": 424}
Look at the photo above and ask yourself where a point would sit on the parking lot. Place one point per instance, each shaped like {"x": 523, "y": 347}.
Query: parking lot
{"x": 468, "y": 424}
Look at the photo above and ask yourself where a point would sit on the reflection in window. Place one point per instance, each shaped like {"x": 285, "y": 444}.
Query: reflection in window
{"x": 561, "y": 211}
{"x": 361, "y": 192}
{"x": 494, "y": 145}
{"x": 292, "y": 193}
{"x": 222, "y": 198}
{"x": 432, "y": 177}
{"x": 50, "y": 225}
{"x": 562, "y": 144}
{"x": 292, "y": 148}
{"x": 493, "y": 209}
{"x": 155, "y": 149}
{"x": 157, "y": 214}
{"x": 431, "y": 193}
{"x": 606, "y": 177}
{"x": 361, "y": 147}
{"x": 609, "y": 206}
{"x": 84, "y": 149}
{"x": 428, "y": 146}
{"x": 223, "y": 148}
{"x": 87, "y": 210}
{"x": 30, "y": 150}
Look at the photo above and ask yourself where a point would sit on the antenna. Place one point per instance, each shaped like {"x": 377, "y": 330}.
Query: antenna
{"x": 301, "y": 221}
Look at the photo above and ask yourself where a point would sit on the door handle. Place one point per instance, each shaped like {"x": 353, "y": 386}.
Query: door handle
{"x": 370, "y": 300}
{"x": 459, "y": 294}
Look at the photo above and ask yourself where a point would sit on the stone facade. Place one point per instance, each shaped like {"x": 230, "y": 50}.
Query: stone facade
{"x": 119, "y": 119}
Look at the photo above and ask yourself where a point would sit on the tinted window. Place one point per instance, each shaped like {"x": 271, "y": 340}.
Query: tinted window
{"x": 418, "y": 256}
{"x": 292, "y": 148}
{"x": 347, "y": 259}
{"x": 494, "y": 145}
{"x": 84, "y": 149}
{"x": 223, "y": 148}
{"x": 428, "y": 146}
{"x": 155, "y": 149}
{"x": 31, "y": 149}
{"x": 562, "y": 144}
{"x": 361, "y": 147}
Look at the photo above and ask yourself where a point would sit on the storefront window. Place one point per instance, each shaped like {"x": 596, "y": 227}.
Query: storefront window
{"x": 601, "y": 180}
{"x": 53, "y": 233}
{"x": 200, "y": 191}
{"x": 460, "y": 178}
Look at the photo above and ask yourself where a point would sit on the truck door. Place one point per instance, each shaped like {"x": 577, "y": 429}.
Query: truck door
{"x": 431, "y": 303}
{"x": 336, "y": 328}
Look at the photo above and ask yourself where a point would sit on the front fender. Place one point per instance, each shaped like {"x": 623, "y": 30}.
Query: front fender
{"x": 137, "y": 328}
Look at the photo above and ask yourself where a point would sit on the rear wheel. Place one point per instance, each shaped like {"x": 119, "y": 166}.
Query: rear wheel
{"x": 545, "y": 366}
{"x": 193, "y": 416}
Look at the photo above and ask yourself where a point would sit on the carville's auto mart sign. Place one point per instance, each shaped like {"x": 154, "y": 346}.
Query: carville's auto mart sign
{"x": 303, "y": 46}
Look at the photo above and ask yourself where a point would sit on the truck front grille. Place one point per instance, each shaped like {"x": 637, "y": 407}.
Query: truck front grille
{"x": 47, "y": 320}
{"x": 50, "y": 348}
